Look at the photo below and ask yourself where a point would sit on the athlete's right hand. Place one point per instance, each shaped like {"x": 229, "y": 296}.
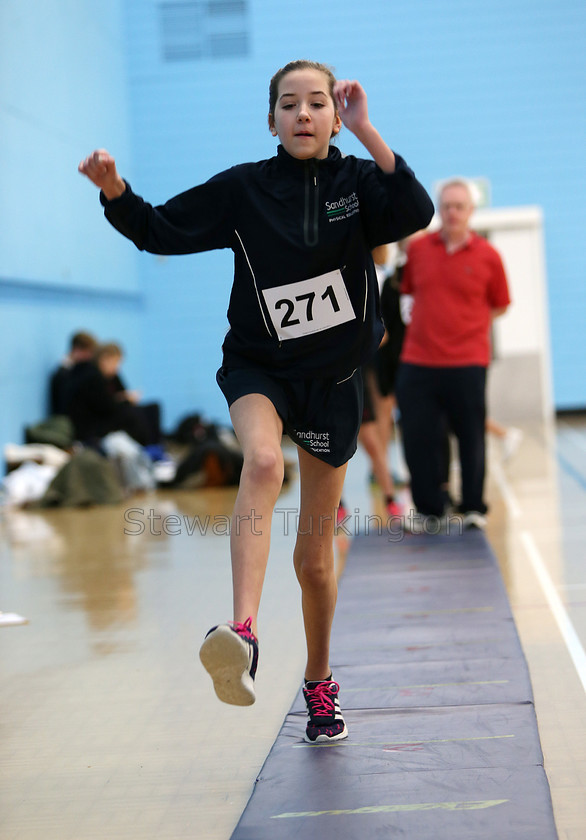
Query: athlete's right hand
{"x": 100, "y": 168}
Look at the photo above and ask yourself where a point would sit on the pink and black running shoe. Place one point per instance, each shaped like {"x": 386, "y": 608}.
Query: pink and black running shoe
{"x": 325, "y": 720}
{"x": 229, "y": 654}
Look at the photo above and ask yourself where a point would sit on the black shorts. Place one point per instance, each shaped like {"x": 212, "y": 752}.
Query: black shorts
{"x": 321, "y": 416}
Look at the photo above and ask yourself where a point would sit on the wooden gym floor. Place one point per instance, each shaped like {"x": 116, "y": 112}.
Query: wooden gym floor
{"x": 109, "y": 727}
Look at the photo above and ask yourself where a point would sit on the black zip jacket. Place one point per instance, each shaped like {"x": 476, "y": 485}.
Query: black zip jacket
{"x": 304, "y": 301}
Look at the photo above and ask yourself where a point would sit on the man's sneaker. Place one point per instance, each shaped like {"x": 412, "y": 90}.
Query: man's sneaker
{"x": 325, "y": 721}
{"x": 230, "y": 655}
{"x": 473, "y": 519}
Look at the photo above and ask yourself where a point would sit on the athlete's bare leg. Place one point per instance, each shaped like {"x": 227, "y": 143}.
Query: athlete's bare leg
{"x": 321, "y": 488}
{"x": 259, "y": 430}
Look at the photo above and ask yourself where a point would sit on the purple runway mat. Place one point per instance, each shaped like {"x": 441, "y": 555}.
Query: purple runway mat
{"x": 443, "y": 740}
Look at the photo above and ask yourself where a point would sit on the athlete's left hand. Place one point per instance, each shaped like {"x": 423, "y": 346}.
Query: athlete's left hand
{"x": 351, "y": 100}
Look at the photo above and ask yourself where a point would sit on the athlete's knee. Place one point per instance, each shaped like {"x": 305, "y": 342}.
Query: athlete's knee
{"x": 314, "y": 566}
{"x": 264, "y": 464}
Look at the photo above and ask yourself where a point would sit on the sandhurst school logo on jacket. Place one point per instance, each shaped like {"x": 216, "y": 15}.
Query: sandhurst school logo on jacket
{"x": 343, "y": 208}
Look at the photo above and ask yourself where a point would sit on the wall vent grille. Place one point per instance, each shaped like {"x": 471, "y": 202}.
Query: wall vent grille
{"x": 195, "y": 30}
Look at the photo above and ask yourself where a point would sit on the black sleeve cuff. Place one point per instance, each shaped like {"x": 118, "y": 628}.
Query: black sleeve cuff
{"x": 106, "y": 202}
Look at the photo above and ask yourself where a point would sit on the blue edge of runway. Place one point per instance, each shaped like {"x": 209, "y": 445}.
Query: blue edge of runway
{"x": 443, "y": 739}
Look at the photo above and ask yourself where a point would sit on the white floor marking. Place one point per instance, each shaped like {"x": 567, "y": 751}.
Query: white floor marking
{"x": 509, "y": 497}
{"x": 569, "y": 635}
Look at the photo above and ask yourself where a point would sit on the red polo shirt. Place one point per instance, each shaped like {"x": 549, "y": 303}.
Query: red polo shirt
{"x": 454, "y": 295}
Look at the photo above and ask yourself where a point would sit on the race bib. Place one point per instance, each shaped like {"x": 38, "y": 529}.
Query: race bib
{"x": 310, "y": 306}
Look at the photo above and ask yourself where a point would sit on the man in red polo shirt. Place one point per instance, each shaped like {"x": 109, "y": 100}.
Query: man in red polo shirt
{"x": 458, "y": 285}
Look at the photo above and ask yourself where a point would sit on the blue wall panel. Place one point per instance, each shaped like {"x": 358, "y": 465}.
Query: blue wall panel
{"x": 63, "y": 90}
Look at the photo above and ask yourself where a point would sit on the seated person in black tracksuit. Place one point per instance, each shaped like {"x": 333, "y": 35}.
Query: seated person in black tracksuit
{"x": 73, "y": 368}
{"x": 101, "y": 403}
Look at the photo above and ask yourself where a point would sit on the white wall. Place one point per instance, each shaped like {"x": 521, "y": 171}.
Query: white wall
{"x": 520, "y": 386}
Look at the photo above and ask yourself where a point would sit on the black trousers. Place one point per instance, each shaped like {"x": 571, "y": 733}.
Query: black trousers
{"x": 434, "y": 401}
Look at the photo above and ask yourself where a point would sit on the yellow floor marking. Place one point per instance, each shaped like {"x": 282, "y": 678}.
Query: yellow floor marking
{"x": 388, "y": 809}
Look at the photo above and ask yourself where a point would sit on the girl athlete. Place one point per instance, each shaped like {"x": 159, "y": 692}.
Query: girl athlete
{"x": 303, "y": 315}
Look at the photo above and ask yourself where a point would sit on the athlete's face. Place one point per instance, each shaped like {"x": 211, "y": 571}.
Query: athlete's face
{"x": 305, "y": 117}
